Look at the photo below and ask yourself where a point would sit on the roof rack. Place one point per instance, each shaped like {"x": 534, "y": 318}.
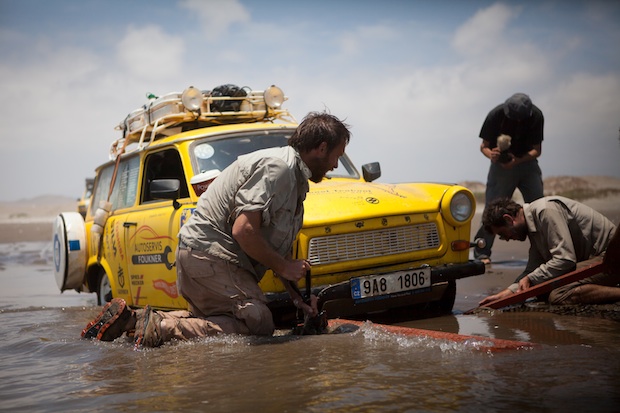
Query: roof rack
{"x": 226, "y": 104}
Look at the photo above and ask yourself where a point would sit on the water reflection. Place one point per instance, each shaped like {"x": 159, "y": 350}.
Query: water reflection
{"x": 45, "y": 366}
{"x": 530, "y": 326}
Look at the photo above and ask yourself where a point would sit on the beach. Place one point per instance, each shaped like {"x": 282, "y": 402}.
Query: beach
{"x": 31, "y": 221}
{"x": 572, "y": 363}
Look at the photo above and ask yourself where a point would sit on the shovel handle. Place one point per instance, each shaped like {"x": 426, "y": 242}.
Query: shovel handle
{"x": 308, "y": 286}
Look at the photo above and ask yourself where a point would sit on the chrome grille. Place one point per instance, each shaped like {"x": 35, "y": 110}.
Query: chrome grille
{"x": 368, "y": 244}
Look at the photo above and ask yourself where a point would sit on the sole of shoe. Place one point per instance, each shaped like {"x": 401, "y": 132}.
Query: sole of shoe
{"x": 100, "y": 328}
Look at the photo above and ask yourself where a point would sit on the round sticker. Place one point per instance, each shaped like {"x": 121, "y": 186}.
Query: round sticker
{"x": 204, "y": 151}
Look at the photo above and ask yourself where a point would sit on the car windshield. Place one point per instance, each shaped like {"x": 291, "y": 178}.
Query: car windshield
{"x": 217, "y": 154}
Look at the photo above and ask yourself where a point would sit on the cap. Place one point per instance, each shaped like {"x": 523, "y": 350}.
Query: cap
{"x": 201, "y": 182}
{"x": 518, "y": 106}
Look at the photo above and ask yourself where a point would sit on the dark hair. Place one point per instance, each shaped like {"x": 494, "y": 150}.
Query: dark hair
{"x": 319, "y": 127}
{"x": 493, "y": 215}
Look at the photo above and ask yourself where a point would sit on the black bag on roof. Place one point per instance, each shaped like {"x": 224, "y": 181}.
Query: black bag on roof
{"x": 227, "y": 105}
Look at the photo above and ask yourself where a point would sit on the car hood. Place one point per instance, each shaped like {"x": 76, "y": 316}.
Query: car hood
{"x": 336, "y": 201}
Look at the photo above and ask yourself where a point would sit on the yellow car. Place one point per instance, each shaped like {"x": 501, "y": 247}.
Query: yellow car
{"x": 84, "y": 201}
{"x": 373, "y": 247}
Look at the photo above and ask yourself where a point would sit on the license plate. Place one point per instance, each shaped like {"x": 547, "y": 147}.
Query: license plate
{"x": 392, "y": 283}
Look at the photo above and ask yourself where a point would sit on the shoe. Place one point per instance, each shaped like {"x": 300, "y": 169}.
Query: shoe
{"x": 485, "y": 259}
{"x": 148, "y": 331}
{"x": 110, "y": 323}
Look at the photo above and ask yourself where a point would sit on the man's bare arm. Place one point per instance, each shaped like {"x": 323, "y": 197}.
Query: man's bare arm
{"x": 246, "y": 231}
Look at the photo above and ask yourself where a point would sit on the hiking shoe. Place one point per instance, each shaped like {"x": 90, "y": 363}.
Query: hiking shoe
{"x": 148, "y": 331}
{"x": 110, "y": 323}
{"x": 485, "y": 259}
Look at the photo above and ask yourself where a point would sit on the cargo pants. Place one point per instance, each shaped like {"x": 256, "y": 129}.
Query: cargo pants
{"x": 222, "y": 298}
{"x": 565, "y": 294}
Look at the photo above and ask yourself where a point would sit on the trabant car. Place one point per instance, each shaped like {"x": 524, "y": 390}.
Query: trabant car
{"x": 372, "y": 246}
{"x": 84, "y": 200}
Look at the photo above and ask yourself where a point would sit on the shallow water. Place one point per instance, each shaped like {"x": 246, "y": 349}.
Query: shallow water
{"x": 46, "y": 367}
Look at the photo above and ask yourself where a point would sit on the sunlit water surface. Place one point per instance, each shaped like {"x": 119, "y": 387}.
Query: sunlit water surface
{"x": 46, "y": 367}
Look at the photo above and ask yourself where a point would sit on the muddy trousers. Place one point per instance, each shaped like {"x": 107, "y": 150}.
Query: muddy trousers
{"x": 222, "y": 298}
{"x": 566, "y": 294}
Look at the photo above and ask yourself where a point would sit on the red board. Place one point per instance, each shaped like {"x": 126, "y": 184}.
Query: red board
{"x": 584, "y": 269}
{"x": 484, "y": 343}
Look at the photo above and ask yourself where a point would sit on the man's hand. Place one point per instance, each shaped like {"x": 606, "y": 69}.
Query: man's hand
{"x": 502, "y": 294}
{"x": 509, "y": 163}
{"x": 494, "y": 155}
{"x": 309, "y": 310}
{"x": 524, "y": 284}
{"x": 294, "y": 270}
{"x": 529, "y": 156}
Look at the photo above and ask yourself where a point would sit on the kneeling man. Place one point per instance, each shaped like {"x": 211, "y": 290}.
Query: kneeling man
{"x": 562, "y": 232}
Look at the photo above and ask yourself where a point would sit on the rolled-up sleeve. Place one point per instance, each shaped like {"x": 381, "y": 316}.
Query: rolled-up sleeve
{"x": 262, "y": 191}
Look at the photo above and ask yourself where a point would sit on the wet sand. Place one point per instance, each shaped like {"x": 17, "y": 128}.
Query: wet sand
{"x": 46, "y": 366}
{"x": 508, "y": 261}
{"x": 26, "y": 231}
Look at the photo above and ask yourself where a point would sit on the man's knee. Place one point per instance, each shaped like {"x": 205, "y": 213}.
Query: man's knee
{"x": 257, "y": 317}
{"x": 565, "y": 295}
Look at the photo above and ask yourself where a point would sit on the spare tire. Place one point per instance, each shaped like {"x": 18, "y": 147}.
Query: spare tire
{"x": 69, "y": 241}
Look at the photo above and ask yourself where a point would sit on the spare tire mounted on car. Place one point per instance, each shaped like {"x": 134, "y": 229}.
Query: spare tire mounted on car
{"x": 69, "y": 241}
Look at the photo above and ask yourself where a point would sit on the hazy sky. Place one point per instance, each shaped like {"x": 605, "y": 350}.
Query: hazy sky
{"x": 414, "y": 79}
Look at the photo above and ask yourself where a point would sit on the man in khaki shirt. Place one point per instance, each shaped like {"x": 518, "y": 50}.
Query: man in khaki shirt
{"x": 562, "y": 232}
{"x": 246, "y": 222}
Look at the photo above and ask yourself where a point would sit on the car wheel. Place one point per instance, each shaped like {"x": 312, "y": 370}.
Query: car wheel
{"x": 104, "y": 290}
{"x": 446, "y": 303}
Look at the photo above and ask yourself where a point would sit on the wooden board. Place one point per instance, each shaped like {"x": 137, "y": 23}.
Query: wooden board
{"x": 481, "y": 343}
{"x": 584, "y": 269}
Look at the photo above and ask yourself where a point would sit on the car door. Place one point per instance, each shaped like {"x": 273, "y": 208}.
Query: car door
{"x": 151, "y": 236}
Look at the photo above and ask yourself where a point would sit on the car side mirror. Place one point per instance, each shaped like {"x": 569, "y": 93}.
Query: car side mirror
{"x": 371, "y": 171}
{"x": 166, "y": 189}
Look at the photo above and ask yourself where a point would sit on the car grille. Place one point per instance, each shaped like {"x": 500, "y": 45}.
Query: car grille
{"x": 389, "y": 241}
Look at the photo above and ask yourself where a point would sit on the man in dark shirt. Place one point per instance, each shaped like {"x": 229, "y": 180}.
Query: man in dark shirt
{"x": 512, "y": 136}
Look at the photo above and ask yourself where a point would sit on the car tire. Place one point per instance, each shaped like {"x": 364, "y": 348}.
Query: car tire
{"x": 104, "y": 290}
{"x": 446, "y": 303}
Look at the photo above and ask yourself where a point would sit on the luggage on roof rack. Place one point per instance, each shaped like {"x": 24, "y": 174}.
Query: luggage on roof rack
{"x": 225, "y": 104}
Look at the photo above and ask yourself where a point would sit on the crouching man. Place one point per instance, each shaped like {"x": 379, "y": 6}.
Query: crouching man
{"x": 562, "y": 232}
{"x": 245, "y": 223}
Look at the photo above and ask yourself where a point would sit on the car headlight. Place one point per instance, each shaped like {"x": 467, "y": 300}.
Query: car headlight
{"x": 192, "y": 99}
{"x": 459, "y": 205}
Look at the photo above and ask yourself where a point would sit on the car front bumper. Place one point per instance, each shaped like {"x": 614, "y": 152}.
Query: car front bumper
{"x": 337, "y": 300}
